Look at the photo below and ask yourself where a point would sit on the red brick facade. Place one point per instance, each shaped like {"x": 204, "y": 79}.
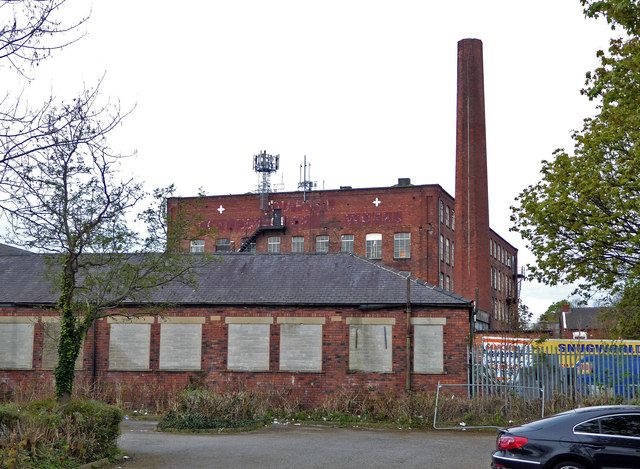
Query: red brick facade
{"x": 425, "y": 211}
{"x": 311, "y": 387}
{"x": 335, "y": 213}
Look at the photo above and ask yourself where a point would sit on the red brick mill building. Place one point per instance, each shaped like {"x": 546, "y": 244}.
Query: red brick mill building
{"x": 420, "y": 229}
{"x": 310, "y": 292}
{"x": 324, "y": 323}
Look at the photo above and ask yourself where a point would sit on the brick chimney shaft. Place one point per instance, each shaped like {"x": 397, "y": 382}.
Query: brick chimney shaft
{"x": 472, "y": 200}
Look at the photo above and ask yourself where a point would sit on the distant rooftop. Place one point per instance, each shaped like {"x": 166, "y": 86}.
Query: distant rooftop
{"x": 6, "y": 250}
{"x": 583, "y": 318}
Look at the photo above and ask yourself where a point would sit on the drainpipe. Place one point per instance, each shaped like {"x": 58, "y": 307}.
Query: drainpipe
{"x": 407, "y": 384}
{"x": 472, "y": 327}
{"x": 94, "y": 357}
{"x": 438, "y": 244}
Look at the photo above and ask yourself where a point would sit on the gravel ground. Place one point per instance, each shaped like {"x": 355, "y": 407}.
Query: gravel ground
{"x": 292, "y": 446}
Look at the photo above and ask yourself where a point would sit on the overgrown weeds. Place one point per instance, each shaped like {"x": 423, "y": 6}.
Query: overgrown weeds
{"x": 198, "y": 409}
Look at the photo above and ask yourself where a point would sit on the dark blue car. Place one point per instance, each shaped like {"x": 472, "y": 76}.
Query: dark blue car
{"x": 586, "y": 438}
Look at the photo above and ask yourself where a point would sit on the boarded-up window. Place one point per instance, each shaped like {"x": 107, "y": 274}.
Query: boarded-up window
{"x": 370, "y": 347}
{"x": 51, "y": 339}
{"x": 301, "y": 344}
{"x": 181, "y": 344}
{"x": 248, "y": 345}
{"x": 129, "y": 346}
{"x": 16, "y": 343}
{"x": 428, "y": 349}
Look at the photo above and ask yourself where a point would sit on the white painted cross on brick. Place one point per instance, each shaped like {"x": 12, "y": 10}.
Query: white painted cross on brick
{"x": 221, "y": 209}
{"x": 377, "y": 202}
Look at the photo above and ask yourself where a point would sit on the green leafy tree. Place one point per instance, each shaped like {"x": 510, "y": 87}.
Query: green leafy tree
{"x": 582, "y": 220}
{"x": 622, "y": 319}
{"x": 69, "y": 200}
{"x": 552, "y": 314}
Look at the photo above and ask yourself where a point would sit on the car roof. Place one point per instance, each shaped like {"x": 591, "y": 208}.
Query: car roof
{"x": 606, "y": 408}
{"x": 577, "y": 415}
{"x": 596, "y": 410}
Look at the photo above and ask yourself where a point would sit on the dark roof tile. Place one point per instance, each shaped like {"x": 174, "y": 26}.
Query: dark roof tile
{"x": 277, "y": 279}
{"x": 584, "y": 318}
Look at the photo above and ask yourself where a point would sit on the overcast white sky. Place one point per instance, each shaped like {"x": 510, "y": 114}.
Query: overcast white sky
{"x": 366, "y": 89}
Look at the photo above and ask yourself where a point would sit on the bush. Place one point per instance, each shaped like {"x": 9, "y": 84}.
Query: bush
{"x": 46, "y": 434}
{"x": 198, "y": 409}
{"x": 9, "y": 414}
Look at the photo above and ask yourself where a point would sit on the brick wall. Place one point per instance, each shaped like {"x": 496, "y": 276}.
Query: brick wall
{"x": 311, "y": 387}
{"x": 386, "y": 210}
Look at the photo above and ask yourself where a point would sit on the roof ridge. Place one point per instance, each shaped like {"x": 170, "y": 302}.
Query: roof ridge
{"x": 415, "y": 280}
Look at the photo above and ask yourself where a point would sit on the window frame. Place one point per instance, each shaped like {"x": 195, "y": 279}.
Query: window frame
{"x": 227, "y": 245}
{"x": 195, "y": 243}
{"x": 373, "y": 246}
{"x": 606, "y": 435}
{"x": 398, "y": 242}
{"x": 297, "y": 244}
{"x": 345, "y": 241}
{"x": 322, "y": 244}
{"x": 271, "y": 242}
{"x": 447, "y": 251}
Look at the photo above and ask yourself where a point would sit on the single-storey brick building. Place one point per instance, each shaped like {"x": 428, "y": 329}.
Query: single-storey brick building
{"x": 312, "y": 323}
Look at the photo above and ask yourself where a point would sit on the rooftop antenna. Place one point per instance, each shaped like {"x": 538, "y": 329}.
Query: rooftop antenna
{"x": 306, "y": 184}
{"x": 265, "y": 164}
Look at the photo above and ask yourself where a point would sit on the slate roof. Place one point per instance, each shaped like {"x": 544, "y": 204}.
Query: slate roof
{"x": 255, "y": 279}
{"x": 6, "y": 250}
{"x": 583, "y": 318}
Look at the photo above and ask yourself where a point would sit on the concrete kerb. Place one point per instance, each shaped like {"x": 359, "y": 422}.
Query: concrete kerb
{"x": 96, "y": 464}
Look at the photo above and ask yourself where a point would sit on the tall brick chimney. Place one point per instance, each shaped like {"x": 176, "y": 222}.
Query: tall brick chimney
{"x": 473, "y": 268}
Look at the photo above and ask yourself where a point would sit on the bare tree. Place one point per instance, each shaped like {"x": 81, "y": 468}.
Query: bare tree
{"x": 68, "y": 199}
{"x": 30, "y": 30}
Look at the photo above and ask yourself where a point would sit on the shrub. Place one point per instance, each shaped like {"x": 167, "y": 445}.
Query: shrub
{"x": 47, "y": 434}
{"x": 205, "y": 409}
{"x": 9, "y": 414}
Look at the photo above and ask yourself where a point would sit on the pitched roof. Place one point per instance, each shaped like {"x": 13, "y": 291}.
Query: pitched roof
{"x": 583, "y": 318}
{"x": 6, "y": 250}
{"x": 255, "y": 279}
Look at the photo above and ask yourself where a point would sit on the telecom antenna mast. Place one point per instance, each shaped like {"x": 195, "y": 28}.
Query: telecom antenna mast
{"x": 305, "y": 179}
{"x": 265, "y": 164}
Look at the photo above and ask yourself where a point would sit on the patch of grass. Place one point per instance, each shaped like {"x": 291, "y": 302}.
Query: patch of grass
{"x": 177, "y": 421}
